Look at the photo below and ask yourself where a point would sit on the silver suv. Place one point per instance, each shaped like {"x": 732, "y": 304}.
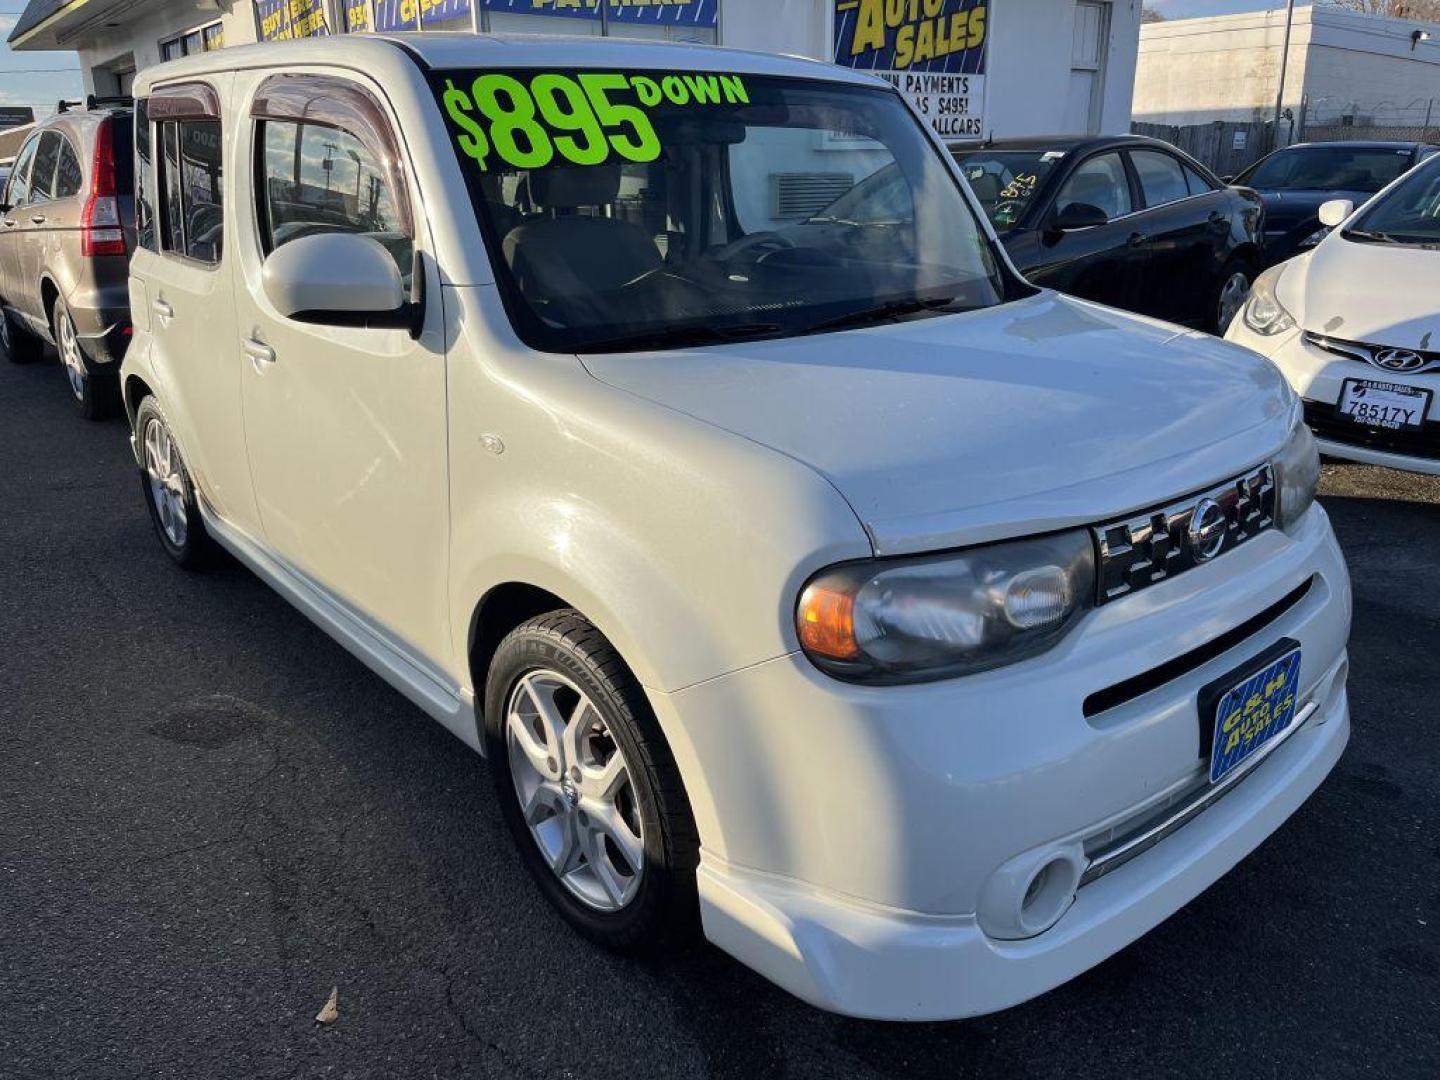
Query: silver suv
{"x": 66, "y": 233}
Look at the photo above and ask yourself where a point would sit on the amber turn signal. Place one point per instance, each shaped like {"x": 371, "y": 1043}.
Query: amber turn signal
{"x": 825, "y": 621}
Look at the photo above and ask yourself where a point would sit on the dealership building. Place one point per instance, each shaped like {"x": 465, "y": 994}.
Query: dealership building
{"x": 973, "y": 68}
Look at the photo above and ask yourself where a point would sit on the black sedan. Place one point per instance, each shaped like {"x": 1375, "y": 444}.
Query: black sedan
{"x": 1123, "y": 220}
{"x": 1296, "y": 180}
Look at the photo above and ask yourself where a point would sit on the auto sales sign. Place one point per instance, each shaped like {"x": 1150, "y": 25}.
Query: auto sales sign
{"x": 932, "y": 50}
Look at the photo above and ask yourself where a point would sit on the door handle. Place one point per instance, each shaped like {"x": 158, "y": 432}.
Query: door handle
{"x": 161, "y": 308}
{"x": 9, "y": 222}
{"x": 259, "y": 353}
{"x": 38, "y": 219}
{"x": 1136, "y": 239}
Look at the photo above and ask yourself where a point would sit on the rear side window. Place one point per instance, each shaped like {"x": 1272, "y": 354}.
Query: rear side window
{"x": 145, "y": 175}
{"x": 1199, "y": 185}
{"x": 68, "y": 175}
{"x": 42, "y": 175}
{"x": 1161, "y": 178}
{"x": 191, "y": 213}
{"x": 320, "y": 179}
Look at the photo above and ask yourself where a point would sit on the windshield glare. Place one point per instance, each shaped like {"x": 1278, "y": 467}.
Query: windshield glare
{"x": 1327, "y": 168}
{"x": 1006, "y": 181}
{"x": 645, "y": 210}
{"x": 1408, "y": 214}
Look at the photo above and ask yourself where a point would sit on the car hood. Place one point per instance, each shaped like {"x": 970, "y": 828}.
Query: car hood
{"x": 1286, "y": 209}
{"x": 1035, "y": 415}
{"x": 1375, "y": 293}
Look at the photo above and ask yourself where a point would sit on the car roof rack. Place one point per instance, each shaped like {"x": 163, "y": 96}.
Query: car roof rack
{"x": 92, "y": 101}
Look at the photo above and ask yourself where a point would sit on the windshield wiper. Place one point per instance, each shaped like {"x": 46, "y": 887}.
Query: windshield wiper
{"x": 1372, "y": 237}
{"x": 678, "y": 337}
{"x": 891, "y": 309}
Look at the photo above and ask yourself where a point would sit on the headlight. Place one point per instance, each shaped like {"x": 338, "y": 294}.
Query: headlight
{"x": 1315, "y": 237}
{"x": 911, "y": 620}
{"x": 1263, "y": 312}
{"x": 1297, "y": 474}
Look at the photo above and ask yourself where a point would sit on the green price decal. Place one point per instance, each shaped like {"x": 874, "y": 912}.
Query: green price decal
{"x": 525, "y": 120}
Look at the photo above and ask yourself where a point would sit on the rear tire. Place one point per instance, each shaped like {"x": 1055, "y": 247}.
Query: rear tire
{"x": 169, "y": 493}
{"x": 597, "y": 735}
{"x": 1234, "y": 286}
{"x": 21, "y": 346}
{"x": 94, "y": 389}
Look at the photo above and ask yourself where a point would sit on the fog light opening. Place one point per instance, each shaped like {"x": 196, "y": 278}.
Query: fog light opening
{"x": 1048, "y": 895}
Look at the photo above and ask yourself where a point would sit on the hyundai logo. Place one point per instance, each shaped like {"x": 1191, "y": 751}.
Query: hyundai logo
{"x": 1398, "y": 360}
{"x": 1206, "y": 532}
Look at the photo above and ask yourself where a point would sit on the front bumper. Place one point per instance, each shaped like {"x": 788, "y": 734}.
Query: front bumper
{"x": 1317, "y": 376}
{"x": 853, "y": 837}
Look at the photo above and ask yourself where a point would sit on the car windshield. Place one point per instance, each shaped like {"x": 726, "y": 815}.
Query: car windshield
{"x": 1408, "y": 214}
{"x": 1005, "y": 181}
{"x": 1327, "y": 168}
{"x": 649, "y": 210}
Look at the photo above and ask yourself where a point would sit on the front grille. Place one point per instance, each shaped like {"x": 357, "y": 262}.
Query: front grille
{"x": 1160, "y": 543}
{"x": 1384, "y": 357}
{"x": 1421, "y": 442}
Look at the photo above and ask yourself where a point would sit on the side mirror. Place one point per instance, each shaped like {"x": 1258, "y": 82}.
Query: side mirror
{"x": 1335, "y": 211}
{"x": 342, "y": 279}
{"x": 1077, "y": 215}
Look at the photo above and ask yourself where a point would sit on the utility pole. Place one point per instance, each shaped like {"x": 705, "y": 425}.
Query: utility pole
{"x": 1284, "y": 62}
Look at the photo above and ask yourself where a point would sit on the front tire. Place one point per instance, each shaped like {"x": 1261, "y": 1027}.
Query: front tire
{"x": 168, "y": 490}
{"x": 1235, "y": 281}
{"x": 95, "y": 391}
{"x": 588, "y": 786}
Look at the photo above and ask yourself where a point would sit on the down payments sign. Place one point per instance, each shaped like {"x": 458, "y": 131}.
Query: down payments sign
{"x": 932, "y": 50}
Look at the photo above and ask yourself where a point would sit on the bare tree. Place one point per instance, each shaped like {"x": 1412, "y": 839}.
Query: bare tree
{"x": 1149, "y": 14}
{"x": 1419, "y": 10}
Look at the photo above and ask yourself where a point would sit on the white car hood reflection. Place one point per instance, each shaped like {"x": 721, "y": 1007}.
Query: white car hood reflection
{"x": 943, "y": 431}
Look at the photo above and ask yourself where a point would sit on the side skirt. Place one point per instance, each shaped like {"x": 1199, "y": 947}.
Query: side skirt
{"x": 425, "y": 685}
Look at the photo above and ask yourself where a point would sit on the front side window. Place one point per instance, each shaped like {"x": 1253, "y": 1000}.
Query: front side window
{"x": 645, "y": 210}
{"x": 1161, "y": 178}
{"x": 1409, "y": 214}
{"x": 18, "y": 192}
{"x": 42, "y": 174}
{"x": 320, "y": 179}
{"x": 1100, "y": 182}
{"x": 191, "y": 189}
{"x": 1327, "y": 168}
{"x": 1005, "y": 181}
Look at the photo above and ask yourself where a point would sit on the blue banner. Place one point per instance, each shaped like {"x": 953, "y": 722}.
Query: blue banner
{"x": 700, "y": 13}
{"x": 283, "y": 19}
{"x": 912, "y": 35}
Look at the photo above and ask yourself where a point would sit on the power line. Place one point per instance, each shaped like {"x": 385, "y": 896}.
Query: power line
{"x": 39, "y": 71}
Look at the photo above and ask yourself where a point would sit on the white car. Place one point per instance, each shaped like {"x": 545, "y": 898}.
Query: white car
{"x": 818, "y": 582}
{"x": 1355, "y": 325}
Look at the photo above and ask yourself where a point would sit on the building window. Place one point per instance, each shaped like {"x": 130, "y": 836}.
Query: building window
{"x": 200, "y": 39}
{"x": 191, "y": 218}
{"x": 279, "y": 20}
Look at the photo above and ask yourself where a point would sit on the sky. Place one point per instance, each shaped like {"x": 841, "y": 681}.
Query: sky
{"x": 39, "y": 79}
{"x": 1185, "y": 9}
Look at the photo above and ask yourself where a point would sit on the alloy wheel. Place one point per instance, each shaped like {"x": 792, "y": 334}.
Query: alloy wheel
{"x": 69, "y": 348}
{"x": 167, "y": 483}
{"x": 574, "y": 788}
{"x": 1232, "y": 295}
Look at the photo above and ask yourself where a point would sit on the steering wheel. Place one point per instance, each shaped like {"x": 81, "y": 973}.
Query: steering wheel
{"x": 765, "y": 242}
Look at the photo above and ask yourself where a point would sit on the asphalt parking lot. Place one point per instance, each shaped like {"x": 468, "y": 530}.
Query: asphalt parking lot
{"x": 210, "y": 815}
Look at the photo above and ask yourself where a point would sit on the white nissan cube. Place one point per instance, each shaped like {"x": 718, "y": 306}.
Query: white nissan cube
{"x": 805, "y": 575}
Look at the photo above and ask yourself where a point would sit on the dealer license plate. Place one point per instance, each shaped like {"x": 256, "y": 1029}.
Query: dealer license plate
{"x": 1253, "y": 712}
{"x": 1376, "y": 404}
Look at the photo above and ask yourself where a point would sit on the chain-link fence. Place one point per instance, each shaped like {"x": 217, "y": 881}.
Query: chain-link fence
{"x": 1331, "y": 118}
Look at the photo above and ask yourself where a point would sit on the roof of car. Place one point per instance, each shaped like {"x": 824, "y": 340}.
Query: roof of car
{"x": 462, "y": 49}
{"x": 1066, "y": 143}
{"x": 1359, "y": 144}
